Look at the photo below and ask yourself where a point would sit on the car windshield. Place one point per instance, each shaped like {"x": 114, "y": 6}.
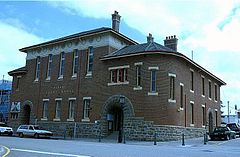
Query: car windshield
{"x": 3, "y": 125}
{"x": 36, "y": 128}
{"x": 221, "y": 129}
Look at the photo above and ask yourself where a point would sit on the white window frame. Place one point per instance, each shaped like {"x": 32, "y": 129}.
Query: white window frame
{"x": 45, "y": 115}
{"x": 49, "y": 67}
{"x": 173, "y": 99}
{"x": 75, "y": 60}
{"x": 117, "y": 68}
{"x": 71, "y": 109}
{"x": 57, "y": 109}
{"x": 192, "y": 113}
{"x": 62, "y": 64}
{"x": 209, "y": 91}
{"x": 204, "y": 118}
{"x": 85, "y": 118}
{"x": 90, "y": 54}
{"x": 37, "y": 70}
{"x": 215, "y": 92}
{"x": 192, "y": 81}
{"x": 153, "y": 93}
{"x": 138, "y": 66}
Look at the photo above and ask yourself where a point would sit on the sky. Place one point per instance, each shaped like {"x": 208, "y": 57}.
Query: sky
{"x": 209, "y": 28}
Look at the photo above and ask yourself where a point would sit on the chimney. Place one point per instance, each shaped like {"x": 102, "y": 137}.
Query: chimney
{"x": 150, "y": 38}
{"x": 171, "y": 42}
{"x": 115, "y": 21}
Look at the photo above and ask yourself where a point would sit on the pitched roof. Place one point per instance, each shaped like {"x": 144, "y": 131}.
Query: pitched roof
{"x": 154, "y": 48}
{"x": 18, "y": 71}
{"x": 77, "y": 35}
{"x": 135, "y": 49}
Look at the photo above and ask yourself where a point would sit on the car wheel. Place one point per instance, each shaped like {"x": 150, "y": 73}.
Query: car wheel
{"x": 21, "y": 135}
{"x": 36, "y": 135}
{"x": 10, "y": 134}
{"x": 227, "y": 137}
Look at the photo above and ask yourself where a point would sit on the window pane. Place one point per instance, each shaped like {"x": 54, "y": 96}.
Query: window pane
{"x": 153, "y": 80}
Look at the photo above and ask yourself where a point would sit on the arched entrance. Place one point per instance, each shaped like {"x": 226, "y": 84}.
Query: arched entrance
{"x": 26, "y": 114}
{"x": 210, "y": 122}
{"x": 114, "y": 114}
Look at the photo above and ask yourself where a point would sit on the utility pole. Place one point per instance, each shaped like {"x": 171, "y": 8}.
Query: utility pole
{"x": 228, "y": 111}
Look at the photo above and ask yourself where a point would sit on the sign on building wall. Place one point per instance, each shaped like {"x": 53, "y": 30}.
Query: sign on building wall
{"x": 15, "y": 107}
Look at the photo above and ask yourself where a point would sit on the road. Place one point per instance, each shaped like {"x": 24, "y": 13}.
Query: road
{"x": 30, "y": 147}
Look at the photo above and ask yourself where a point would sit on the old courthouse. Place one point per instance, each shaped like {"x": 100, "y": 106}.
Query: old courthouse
{"x": 100, "y": 82}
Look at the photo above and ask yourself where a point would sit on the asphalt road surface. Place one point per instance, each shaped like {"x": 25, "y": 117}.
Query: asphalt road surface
{"x": 30, "y": 147}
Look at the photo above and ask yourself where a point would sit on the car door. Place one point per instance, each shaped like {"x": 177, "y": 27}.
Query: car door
{"x": 31, "y": 131}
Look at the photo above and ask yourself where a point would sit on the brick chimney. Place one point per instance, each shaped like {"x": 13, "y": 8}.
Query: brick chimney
{"x": 150, "y": 38}
{"x": 115, "y": 21}
{"x": 171, "y": 42}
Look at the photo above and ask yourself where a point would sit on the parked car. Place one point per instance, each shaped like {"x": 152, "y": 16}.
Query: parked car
{"x": 222, "y": 133}
{"x": 32, "y": 130}
{"x": 235, "y": 127}
{"x": 5, "y": 129}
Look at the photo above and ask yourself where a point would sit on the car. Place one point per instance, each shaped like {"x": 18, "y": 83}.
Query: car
{"x": 5, "y": 129}
{"x": 222, "y": 132}
{"x": 32, "y": 131}
{"x": 235, "y": 127}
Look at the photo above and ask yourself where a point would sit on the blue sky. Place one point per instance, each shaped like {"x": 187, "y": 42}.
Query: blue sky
{"x": 209, "y": 28}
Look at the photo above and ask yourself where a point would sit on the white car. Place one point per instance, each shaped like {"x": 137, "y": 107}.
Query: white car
{"x": 5, "y": 129}
{"x": 32, "y": 130}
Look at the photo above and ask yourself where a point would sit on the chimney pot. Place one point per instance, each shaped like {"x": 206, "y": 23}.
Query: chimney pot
{"x": 115, "y": 21}
{"x": 171, "y": 42}
{"x": 150, "y": 38}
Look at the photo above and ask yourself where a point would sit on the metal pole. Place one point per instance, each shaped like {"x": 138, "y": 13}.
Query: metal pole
{"x": 155, "y": 138}
{"x": 183, "y": 142}
{"x": 75, "y": 128}
{"x": 204, "y": 139}
{"x": 228, "y": 112}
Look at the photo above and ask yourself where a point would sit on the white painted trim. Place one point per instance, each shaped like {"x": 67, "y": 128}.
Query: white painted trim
{"x": 191, "y": 91}
{"x": 45, "y": 99}
{"x": 89, "y": 98}
{"x": 216, "y": 109}
{"x": 191, "y": 70}
{"x": 172, "y": 75}
{"x": 204, "y": 106}
{"x": 209, "y": 98}
{"x": 19, "y": 76}
{"x": 72, "y": 98}
{"x": 57, "y": 119}
{"x": 202, "y": 76}
{"x": 86, "y": 120}
{"x": 203, "y": 126}
{"x": 137, "y": 88}
{"x": 119, "y": 67}
{"x": 171, "y": 101}
{"x": 191, "y": 102}
{"x": 74, "y": 76}
{"x": 152, "y": 93}
{"x": 181, "y": 84}
{"x": 153, "y": 68}
{"x": 138, "y": 63}
{"x": 58, "y": 99}
{"x": 60, "y": 77}
{"x": 203, "y": 96}
{"x": 117, "y": 83}
{"x": 44, "y": 119}
{"x": 70, "y": 120}
{"x": 191, "y": 125}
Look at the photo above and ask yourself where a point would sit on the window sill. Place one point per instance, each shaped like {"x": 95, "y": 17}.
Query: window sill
{"x": 86, "y": 120}
{"x": 56, "y": 119}
{"x": 203, "y": 126}
{"x": 117, "y": 83}
{"x": 203, "y": 96}
{"x": 153, "y": 93}
{"x": 36, "y": 80}
{"x": 191, "y": 91}
{"x": 191, "y": 125}
{"x": 180, "y": 109}
{"x": 210, "y": 98}
{"x": 60, "y": 78}
{"x": 215, "y": 101}
{"x": 70, "y": 120}
{"x": 44, "y": 119}
{"x": 88, "y": 75}
{"x": 137, "y": 88}
{"x": 47, "y": 79}
{"x": 74, "y": 77}
{"x": 171, "y": 101}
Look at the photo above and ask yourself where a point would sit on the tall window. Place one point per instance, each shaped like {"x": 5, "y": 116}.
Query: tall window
{"x": 216, "y": 92}
{"x": 192, "y": 80}
{"x": 49, "y": 67}
{"x": 86, "y": 108}
{"x": 45, "y": 109}
{"x": 71, "y": 108}
{"x": 75, "y": 63}
{"x": 172, "y": 86}
{"x": 62, "y": 64}
{"x": 153, "y": 81}
{"x": 90, "y": 61}
{"x": 210, "y": 89}
{"x": 192, "y": 112}
{"x": 203, "y": 86}
{"x": 58, "y": 108}
{"x": 203, "y": 115}
{"x": 37, "y": 72}
{"x": 18, "y": 81}
{"x": 138, "y": 75}
{"x": 181, "y": 95}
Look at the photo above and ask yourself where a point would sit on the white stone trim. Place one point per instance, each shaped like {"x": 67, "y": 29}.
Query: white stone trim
{"x": 153, "y": 68}
{"x": 202, "y": 76}
{"x": 191, "y": 91}
{"x": 203, "y": 96}
{"x": 138, "y": 63}
{"x": 172, "y": 75}
{"x": 181, "y": 84}
{"x": 191, "y": 70}
{"x": 72, "y": 98}
{"x": 204, "y": 106}
{"x": 152, "y": 93}
{"x": 191, "y": 102}
{"x": 70, "y": 120}
{"x": 19, "y": 76}
{"x": 45, "y": 99}
{"x": 57, "y": 119}
{"x": 87, "y": 97}
{"x": 171, "y": 101}
{"x": 137, "y": 88}
{"x": 86, "y": 120}
{"x": 117, "y": 83}
{"x": 191, "y": 125}
{"x": 203, "y": 126}
{"x": 44, "y": 119}
{"x": 119, "y": 67}
{"x": 216, "y": 109}
{"x": 58, "y": 99}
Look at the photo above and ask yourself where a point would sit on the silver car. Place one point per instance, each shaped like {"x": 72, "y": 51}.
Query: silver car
{"x": 32, "y": 130}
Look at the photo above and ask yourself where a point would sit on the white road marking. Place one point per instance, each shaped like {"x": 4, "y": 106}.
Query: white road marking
{"x": 48, "y": 153}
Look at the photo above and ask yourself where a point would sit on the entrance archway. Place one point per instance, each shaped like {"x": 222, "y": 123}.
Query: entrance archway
{"x": 26, "y": 112}
{"x": 210, "y": 122}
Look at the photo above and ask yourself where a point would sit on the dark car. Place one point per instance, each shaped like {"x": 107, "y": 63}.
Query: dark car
{"x": 234, "y": 127}
{"x": 222, "y": 133}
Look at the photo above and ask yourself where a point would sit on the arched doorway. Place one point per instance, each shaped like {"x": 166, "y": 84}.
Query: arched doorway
{"x": 210, "y": 122}
{"x": 26, "y": 114}
{"x": 114, "y": 118}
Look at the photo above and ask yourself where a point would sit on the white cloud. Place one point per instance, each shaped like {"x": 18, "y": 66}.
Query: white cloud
{"x": 13, "y": 38}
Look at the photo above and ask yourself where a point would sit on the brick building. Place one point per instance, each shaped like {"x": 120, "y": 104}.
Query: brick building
{"x": 100, "y": 81}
